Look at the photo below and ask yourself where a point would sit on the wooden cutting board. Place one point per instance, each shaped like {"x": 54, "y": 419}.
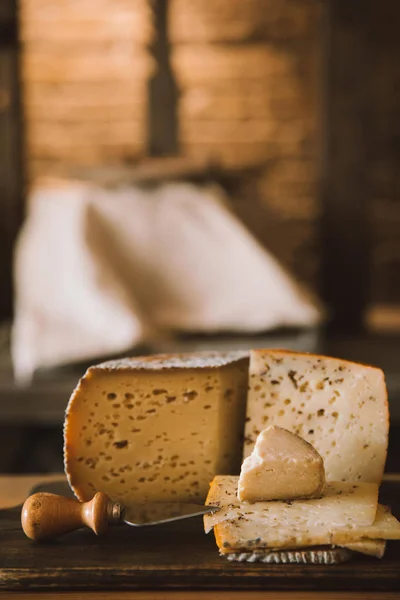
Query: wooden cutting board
{"x": 175, "y": 556}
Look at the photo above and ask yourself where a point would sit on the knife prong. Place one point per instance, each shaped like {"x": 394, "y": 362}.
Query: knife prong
{"x": 156, "y": 513}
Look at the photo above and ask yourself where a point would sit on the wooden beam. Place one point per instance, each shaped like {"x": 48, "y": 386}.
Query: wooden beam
{"x": 163, "y": 93}
{"x": 11, "y": 163}
{"x": 345, "y": 144}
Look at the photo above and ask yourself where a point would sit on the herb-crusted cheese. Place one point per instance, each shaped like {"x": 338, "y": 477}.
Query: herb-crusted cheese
{"x": 339, "y": 407}
{"x": 343, "y": 504}
{"x": 334, "y": 519}
{"x": 282, "y": 466}
{"x": 156, "y": 427}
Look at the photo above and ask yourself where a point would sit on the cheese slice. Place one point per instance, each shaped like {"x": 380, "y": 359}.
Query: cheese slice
{"x": 370, "y": 547}
{"x": 282, "y": 466}
{"x": 334, "y": 519}
{"x": 158, "y": 427}
{"x": 385, "y": 526}
{"x": 241, "y": 536}
{"x": 343, "y": 504}
{"x": 339, "y": 407}
{"x": 364, "y": 546}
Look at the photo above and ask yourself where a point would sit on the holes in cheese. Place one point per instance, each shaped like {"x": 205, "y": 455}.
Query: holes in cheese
{"x": 339, "y": 407}
{"x": 343, "y": 504}
{"x": 156, "y": 427}
{"x": 282, "y": 466}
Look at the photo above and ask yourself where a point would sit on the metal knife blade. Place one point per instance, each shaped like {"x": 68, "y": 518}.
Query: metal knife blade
{"x": 154, "y": 513}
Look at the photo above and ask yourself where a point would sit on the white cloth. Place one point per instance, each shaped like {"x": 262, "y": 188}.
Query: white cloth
{"x": 97, "y": 271}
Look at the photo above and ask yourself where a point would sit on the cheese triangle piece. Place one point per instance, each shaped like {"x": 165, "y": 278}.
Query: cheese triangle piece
{"x": 282, "y": 466}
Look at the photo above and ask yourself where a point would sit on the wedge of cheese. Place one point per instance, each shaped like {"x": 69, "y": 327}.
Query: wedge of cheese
{"x": 282, "y": 466}
{"x": 343, "y": 504}
{"x": 158, "y": 427}
{"x": 339, "y": 407}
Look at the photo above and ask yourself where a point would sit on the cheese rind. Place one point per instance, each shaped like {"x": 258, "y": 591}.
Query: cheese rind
{"x": 165, "y": 362}
{"x": 343, "y": 504}
{"x": 156, "y": 428}
{"x": 282, "y": 466}
{"x": 338, "y": 406}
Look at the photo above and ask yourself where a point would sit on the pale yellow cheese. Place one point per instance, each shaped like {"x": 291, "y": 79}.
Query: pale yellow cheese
{"x": 226, "y": 543}
{"x": 343, "y": 504}
{"x": 282, "y": 466}
{"x": 248, "y": 535}
{"x": 339, "y": 407}
{"x": 385, "y": 526}
{"x": 370, "y": 547}
{"x": 156, "y": 428}
{"x": 332, "y": 520}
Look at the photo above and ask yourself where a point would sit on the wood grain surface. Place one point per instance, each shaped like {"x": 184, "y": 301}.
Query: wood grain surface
{"x": 218, "y": 595}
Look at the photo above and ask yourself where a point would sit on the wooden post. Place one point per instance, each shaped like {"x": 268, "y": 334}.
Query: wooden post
{"x": 163, "y": 93}
{"x": 344, "y": 183}
{"x": 11, "y": 161}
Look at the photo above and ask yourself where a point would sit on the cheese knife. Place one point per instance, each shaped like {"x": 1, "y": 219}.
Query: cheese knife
{"x": 45, "y": 516}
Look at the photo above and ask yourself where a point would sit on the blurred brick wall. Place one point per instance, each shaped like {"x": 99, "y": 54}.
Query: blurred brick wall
{"x": 85, "y": 67}
{"x": 248, "y": 75}
{"x": 248, "y": 79}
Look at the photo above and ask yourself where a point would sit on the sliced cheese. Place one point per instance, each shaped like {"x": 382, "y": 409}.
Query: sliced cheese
{"x": 364, "y": 546}
{"x": 282, "y": 466}
{"x": 370, "y": 547}
{"x": 242, "y": 535}
{"x": 158, "y": 427}
{"x": 385, "y": 526}
{"x": 339, "y": 407}
{"x": 343, "y": 504}
{"x": 266, "y": 526}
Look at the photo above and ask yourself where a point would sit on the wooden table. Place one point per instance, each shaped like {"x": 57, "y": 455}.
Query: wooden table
{"x": 14, "y": 489}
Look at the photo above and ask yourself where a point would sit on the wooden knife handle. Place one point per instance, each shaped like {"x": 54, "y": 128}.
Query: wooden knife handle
{"x": 45, "y": 516}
